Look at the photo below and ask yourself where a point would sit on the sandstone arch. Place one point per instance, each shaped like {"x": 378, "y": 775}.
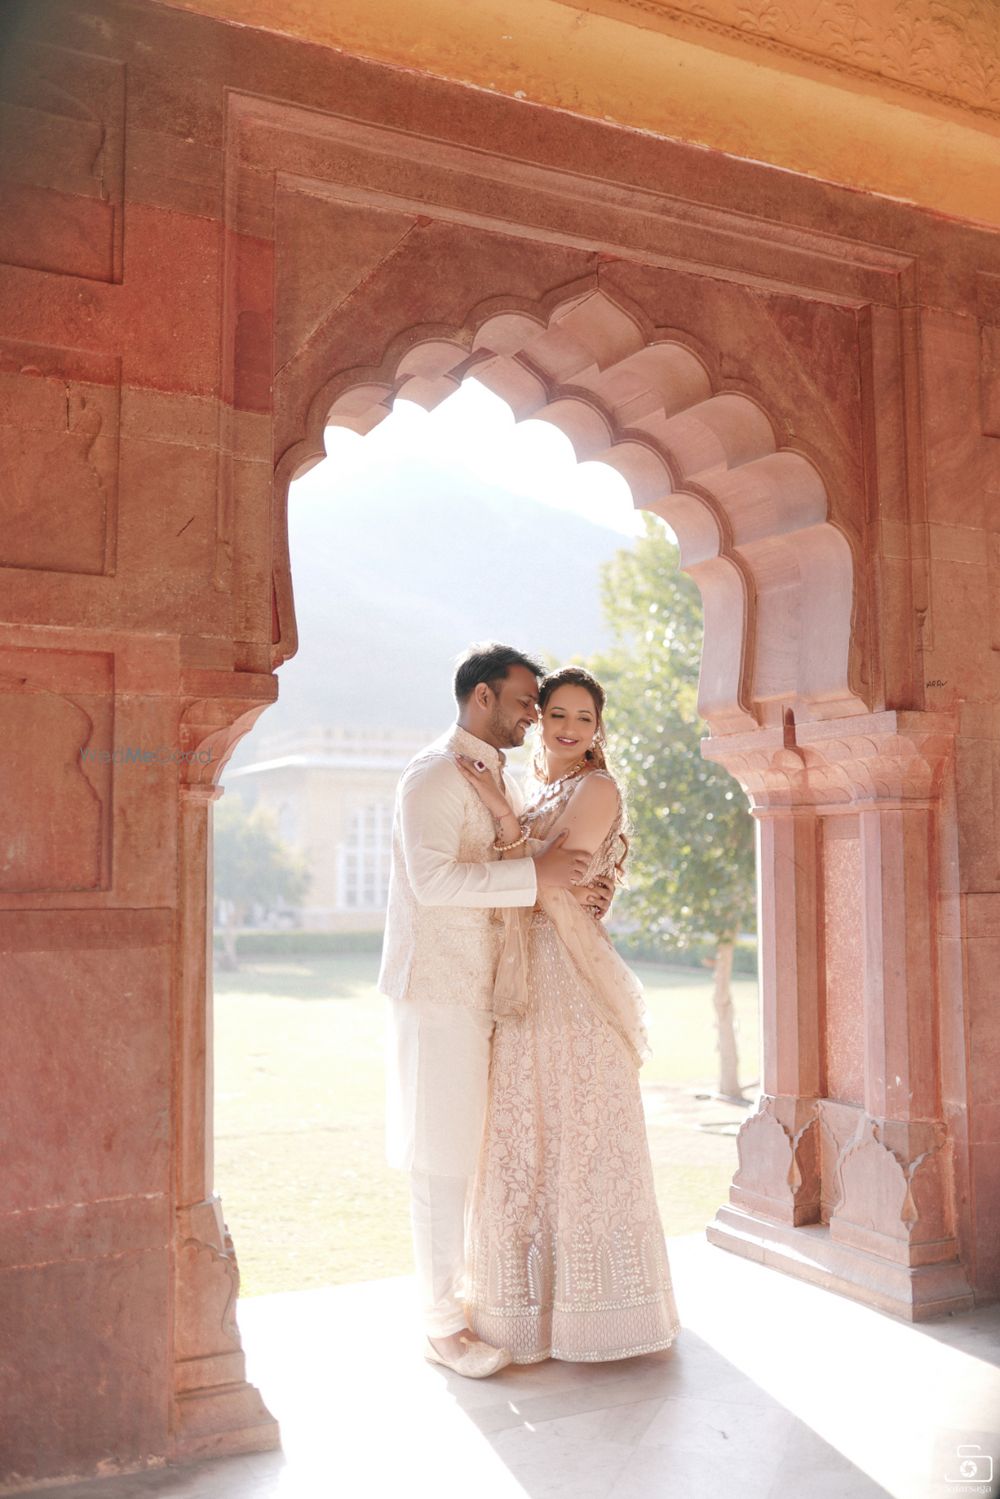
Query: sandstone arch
{"x": 276, "y": 240}
{"x": 752, "y": 516}
{"x": 787, "y": 689}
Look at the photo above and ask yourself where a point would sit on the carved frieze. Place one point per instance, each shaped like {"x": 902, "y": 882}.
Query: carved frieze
{"x": 878, "y": 757}
{"x": 945, "y": 50}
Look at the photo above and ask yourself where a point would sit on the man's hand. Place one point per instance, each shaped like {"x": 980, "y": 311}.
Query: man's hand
{"x": 595, "y": 898}
{"x": 559, "y": 866}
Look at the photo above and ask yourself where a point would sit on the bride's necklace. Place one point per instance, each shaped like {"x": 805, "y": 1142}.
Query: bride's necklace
{"x": 567, "y": 775}
{"x": 548, "y": 790}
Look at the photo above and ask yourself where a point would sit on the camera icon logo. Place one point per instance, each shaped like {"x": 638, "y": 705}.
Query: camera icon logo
{"x": 974, "y": 1466}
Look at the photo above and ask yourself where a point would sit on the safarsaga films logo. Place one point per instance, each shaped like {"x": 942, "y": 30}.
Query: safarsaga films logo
{"x": 140, "y": 754}
{"x": 972, "y": 1472}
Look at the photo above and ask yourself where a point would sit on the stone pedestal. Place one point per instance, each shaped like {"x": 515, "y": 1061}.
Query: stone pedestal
{"x": 845, "y": 1172}
{"x": 215, "y": 1410}
{"x": 914, "y": 1293}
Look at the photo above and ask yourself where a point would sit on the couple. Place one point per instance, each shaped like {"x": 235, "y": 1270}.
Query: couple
{"x": 515, "y": 1035}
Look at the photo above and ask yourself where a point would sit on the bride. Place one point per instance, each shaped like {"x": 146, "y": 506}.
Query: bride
{"x": 567, "y": 1257}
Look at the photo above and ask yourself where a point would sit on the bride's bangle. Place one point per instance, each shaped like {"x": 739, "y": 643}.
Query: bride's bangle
{"x": 503, "y": 848}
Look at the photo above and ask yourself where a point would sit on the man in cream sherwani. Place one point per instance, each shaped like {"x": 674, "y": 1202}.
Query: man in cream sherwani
{"x": 439, "y": 959}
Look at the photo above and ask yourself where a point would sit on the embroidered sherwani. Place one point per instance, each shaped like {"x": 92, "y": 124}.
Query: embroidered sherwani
{"x": 439, "y": 957}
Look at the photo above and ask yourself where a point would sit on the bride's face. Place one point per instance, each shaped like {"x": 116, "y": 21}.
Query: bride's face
{"x": 569, "y": 723}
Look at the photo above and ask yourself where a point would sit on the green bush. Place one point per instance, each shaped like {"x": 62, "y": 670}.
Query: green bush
{"x": 254, "y": 944}
{"x": 641, "y": 949}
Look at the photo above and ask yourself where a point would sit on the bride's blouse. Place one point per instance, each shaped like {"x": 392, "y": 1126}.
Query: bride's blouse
{"x": 590, "y": 805}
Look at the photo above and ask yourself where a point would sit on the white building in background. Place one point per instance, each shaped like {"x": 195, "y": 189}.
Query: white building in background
{"x": 331, "y": 791}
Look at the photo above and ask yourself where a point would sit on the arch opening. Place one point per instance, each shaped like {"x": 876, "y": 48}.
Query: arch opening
{"x": 358, "y": 854}
{"x": 752, "y": 515}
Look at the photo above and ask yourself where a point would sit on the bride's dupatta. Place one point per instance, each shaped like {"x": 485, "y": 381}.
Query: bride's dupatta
{"x": 606, "y": 980}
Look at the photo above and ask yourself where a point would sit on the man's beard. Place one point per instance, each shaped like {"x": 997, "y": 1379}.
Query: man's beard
{"x": 504, "y": 730}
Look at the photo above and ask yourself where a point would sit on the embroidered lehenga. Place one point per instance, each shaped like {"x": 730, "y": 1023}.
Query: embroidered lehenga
{"x": 567, "y": 1257}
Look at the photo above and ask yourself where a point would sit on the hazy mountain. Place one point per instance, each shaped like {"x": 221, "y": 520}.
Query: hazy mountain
{"x": 404, "y": 567}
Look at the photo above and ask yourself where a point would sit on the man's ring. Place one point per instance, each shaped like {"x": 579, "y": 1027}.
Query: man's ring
{"x": 479, "y": 765}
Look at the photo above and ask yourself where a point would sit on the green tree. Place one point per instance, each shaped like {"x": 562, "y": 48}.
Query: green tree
{"x": 691, "y": 868}
{"x": 252, "y": 868}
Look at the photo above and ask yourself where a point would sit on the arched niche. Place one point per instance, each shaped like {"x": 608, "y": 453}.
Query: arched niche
{"x": 752, "y": 516}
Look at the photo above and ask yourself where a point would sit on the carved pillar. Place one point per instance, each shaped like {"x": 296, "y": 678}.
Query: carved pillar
{"x": 215, "y": 1410}
{"x": 893, "y": 1173}
{"x": 845, "y": 1168}
{"x": 779, "y": 1156}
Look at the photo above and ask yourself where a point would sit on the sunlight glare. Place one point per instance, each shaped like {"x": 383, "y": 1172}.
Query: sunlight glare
{"x": 902, "y": 1379}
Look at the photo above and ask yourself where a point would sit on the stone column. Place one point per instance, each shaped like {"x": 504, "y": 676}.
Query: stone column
{"x": 779, "y": 1157}
{"x": 893, "y": 1171}
{"x": 845, "y": 1168}
{"x": 215, "y": 1410}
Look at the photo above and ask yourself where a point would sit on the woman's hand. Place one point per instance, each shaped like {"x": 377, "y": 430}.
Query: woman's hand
{"x": 595, "y": 898}
{"x": 485, "y": 787}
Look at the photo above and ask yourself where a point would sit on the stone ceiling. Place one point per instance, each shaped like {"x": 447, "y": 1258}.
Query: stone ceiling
{"x": 900, "y": 97}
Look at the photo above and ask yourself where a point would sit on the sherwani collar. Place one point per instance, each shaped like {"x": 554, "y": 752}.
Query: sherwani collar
{"x": 477, "y": 749}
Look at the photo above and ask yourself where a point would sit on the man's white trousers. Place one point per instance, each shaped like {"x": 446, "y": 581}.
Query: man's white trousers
{"x": 437, "y": 1076}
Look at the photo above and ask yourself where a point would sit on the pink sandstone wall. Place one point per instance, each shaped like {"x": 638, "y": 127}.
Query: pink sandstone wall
{"x": 206, "y": 249}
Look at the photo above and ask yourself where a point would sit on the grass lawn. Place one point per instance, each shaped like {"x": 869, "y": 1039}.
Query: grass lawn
{"x": 299, "y": 1095}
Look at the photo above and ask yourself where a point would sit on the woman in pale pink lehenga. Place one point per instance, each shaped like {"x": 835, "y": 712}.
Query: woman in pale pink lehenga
{"x": 567, "y": 1257}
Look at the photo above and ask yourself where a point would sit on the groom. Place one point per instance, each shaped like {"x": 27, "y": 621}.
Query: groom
{"x": 439, "y": 959}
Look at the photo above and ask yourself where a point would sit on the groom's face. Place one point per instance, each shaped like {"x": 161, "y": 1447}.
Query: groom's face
{"x": 515, "y": 708}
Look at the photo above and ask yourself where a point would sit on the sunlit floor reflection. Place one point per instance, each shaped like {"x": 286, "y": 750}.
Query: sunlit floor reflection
{"x": 775, "y": 1388}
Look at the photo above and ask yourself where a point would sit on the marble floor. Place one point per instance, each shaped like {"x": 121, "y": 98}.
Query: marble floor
{"x": 774, "y": 1390}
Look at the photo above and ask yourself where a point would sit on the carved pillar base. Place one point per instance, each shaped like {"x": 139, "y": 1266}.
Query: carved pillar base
{"x": 891, "y": 1190}
{"x": 216, "y": 1412}
{"x": 856, "y": 1204}
{"x": 779, "y": 1173}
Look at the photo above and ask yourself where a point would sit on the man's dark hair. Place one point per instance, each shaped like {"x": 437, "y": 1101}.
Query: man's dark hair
{"x": 488, "y": 662}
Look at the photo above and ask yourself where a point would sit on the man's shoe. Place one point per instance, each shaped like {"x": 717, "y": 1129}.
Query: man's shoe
{"x": 478, "y": 1361}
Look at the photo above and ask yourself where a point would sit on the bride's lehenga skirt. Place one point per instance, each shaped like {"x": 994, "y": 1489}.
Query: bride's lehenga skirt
{"x": 567, "y": 1257}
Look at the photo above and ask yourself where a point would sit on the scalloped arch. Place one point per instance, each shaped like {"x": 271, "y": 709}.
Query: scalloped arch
{"x": 752, "y": 517}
